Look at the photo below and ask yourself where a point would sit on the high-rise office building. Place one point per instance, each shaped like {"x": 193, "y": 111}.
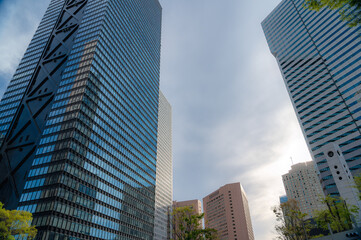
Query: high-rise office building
{"x": 79, "y": 121}
{"x": 195, "y": 205}
{"x": 319, "y": 56}
{"x": 303, "y": 185}
{"x": 164, "y": 176}
{"x": 227, "y": 211}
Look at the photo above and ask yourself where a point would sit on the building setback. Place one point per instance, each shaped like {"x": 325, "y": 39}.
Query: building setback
{"x": 164, "y": 176}
{"x": 303, "y": 185}
{"x": 319, "y": 57}
{"x": 79, "y": 121}
{"x": 227, "y": 211}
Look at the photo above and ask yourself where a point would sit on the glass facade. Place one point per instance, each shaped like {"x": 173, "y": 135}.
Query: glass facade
{"x": 283, "y": 199}
{"x": 319, "y": 57}
{"x": 93, "y": 173}
{"x": 164, "y": 176}
{"x": 20, "y": 81}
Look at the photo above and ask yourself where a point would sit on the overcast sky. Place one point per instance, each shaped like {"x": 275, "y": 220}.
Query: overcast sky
{"x": 232, "y": 117}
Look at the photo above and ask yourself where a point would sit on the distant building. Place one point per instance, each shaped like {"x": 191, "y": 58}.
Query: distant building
{"x": 283, "y": 199}
{"x": 164, "y": 176}
{"x": 302, "y": 184}
{"x": 227, "y": 211}
{"x": 196, "y": 205}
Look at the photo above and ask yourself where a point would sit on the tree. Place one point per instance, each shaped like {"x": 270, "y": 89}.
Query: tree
{"x": 291, "y": 221}
{"x": 349, "y": 10}
{"x": 358, "y": 184}
{"x": 187, "y": 225}
{"x": 14, "y": 223}
{"x": 337, "y": 215}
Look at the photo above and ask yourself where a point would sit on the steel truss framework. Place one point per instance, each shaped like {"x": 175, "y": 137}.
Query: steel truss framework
{"x": 23, "y": 136}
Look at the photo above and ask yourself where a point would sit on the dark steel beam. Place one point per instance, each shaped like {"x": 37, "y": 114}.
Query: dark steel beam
{"x": 23, "y": 136}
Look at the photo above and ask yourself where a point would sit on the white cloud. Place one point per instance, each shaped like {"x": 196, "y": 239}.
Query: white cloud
{"x": 233, "y": 117}
{"x": 255, "y": 152}
{"x": 18, "y": 22}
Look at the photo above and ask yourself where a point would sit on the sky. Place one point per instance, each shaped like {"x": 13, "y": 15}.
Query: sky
{"x": 232, "y": 117}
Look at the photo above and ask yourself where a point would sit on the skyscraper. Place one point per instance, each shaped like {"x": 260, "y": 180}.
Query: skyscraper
{"x": 80, "y": 121}
{"x": 303, "y": 185}
{"x": 164, "y": 176}
{"x": 319, "y": 57}
{"x": 227, "y": 211}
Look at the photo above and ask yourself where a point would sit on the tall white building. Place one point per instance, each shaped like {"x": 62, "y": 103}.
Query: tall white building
{"x": 320, "y": 59}
{"x": 164, "y": 175}
{"x": 302, "y": 184}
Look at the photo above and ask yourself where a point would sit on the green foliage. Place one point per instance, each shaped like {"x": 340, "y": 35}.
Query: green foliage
{"x": 358, "y": 184}
{"x": 337, "y": 214}
{"x": 349, "y": 10}
{"x": 317, "y": 236}
{"x": 14, "y": 223}
{"x": 188, "y": 226}
{"x": 291, "y": 221}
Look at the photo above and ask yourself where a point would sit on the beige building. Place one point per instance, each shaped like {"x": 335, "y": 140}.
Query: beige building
{"x": 227, "y": 211}
{"x": 302, "y": 184}
{"x": 196, "y": 205}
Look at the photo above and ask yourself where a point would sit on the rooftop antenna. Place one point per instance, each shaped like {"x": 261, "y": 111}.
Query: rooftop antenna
{"x": 291, "y": 160}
